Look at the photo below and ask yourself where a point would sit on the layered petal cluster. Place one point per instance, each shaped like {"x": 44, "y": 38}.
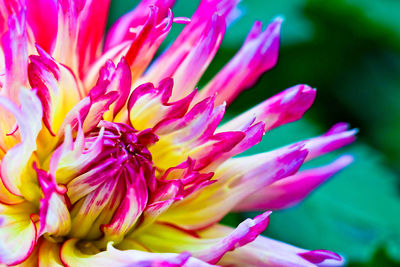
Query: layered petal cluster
{"x": 112, "y": 158}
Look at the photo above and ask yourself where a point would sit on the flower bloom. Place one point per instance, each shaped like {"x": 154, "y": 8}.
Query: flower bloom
{"x": 106, "y": 161}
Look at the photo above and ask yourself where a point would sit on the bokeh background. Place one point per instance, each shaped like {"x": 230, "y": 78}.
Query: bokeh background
{"x": 350, "y": 51}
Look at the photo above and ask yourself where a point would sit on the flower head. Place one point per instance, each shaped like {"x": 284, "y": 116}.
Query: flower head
{"x": 108, "y": 161}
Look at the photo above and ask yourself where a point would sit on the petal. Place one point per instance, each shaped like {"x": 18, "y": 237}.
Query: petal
{"x": 267, "y": 252}
{"x": 54, "y": 214}
{"x": 138, "y": 50}
{"x": 17, "y": 232}
{"x": 92, "y": 25}
{"x": 119, "y": 79}
{"x": 71, "y": 256}
{"x": 293, "y": 189}
{"x": 164, "y": 237}
{"x": 258, "y": 54}
{"x": 120, "y": 31}
{"x": 188, "y": 43}
{"x": 235, "y": 180}
{"x": 285, "y": 107}
{"x": 129, "y": 210}
{"x": 71, "y": 157}
{"x": 189, "y": 64}
{"x": 15, "y": 48}
{"x": 43, "y": 21}
{"x": 49, "y": 254}
{"x": 16, "y": 160}
{"x": 338, "y": 136}
{"x": 56, "y": 86}
{"x": 148, "y": 106}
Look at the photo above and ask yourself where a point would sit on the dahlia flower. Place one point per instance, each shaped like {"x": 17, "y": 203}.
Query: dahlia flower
{"x": 106, "y": 161}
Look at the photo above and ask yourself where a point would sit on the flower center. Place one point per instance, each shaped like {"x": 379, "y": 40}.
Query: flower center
{"x": 110, "y": 194}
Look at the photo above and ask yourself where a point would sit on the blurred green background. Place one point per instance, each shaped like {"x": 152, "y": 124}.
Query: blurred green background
{"x": 350, "y": 51}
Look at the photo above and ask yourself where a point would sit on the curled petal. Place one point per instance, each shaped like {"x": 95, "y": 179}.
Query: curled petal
{"x": 258, "y": 54}
{"x": 293, "y": 189}
{"x": 71, "y": 157}
{"x": 285, "y": 107}
{"x": 148, "y": 106}
{"x": 71, "y": 256}
{"x": 236, "y": 179}
{"x": 15, "y": 162}
{"x": 165, "y": 237}
{"x": 17, "y": 232}
{"x": 120, "y": 31}
{"x": 118, "y": 79}
{"x": 57, "y": 88}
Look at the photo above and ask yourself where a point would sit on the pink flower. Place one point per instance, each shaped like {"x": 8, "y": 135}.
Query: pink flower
{"x": 106, "y": 161}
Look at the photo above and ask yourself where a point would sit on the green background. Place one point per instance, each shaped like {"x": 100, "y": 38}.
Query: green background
{"x": 350, "y": 51}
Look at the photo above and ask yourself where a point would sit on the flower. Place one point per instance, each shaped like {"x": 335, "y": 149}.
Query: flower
{"x": 107, "y": 162}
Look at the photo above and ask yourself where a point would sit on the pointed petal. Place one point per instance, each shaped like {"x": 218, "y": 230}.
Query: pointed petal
{"x": 71, "y": 256}
{"x": 236, "y": 179}
{"x": 139, "y": 50}
{"x": 293, "y": 189}
{"x": 258, "y": 54}
{"x": 285, "y": 107}
{"x": 15, "y": 48}
{"x": 164, "y": 237}
{"x": 338, "y": 136}
{"x": 92, "y": 25}
{"x": 17, "y": 233}
{"x": 120, "y": 31}
{"x": 266, "y": 252}
{"x": 189, "y": 64}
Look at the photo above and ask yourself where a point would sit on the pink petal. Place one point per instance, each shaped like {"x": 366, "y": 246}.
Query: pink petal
{"x": 187, "y": 64}
{"x": 138, "y": 50}
{"x": 15, "y": 48}
{"x": 92, "y": 24}
{"x": 236, "y": 179}
{"x": 54, "y": 214}
{"x": 148, "y": 106}
{"x": 285, "y": 107}
{"x": 120, "y": 31}
{"x": 258, "y": 54}
{"x": 266, "y": 252}
{"x": 43, "y": 21}
{"x": 338, "y": 136}
{"x": 57, "y": 88}
{"x": 293, "y": 189}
